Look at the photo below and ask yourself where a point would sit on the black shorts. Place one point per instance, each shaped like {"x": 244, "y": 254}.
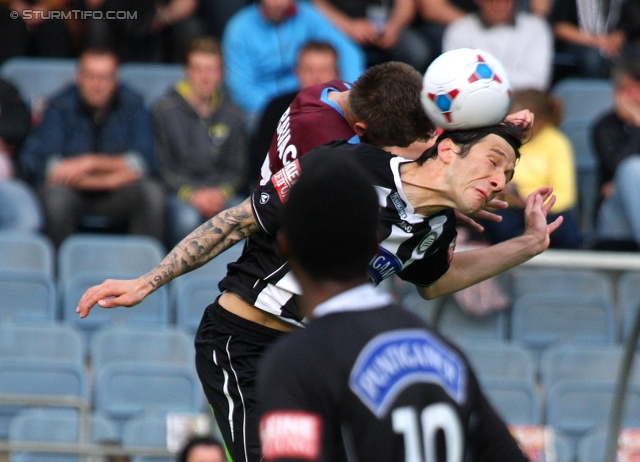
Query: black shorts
{"x": 228, "y": 350}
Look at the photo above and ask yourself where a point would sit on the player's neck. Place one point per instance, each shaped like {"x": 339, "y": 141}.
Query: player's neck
{"x": 425, "y": 187}
{"x": 341, "y": 98}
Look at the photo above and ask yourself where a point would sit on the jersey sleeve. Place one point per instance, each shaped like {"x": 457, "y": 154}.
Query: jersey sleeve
{"x": 269, "y": 200}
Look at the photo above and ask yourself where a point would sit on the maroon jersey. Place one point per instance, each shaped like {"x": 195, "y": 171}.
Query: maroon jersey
{"x": 312, "y": 119}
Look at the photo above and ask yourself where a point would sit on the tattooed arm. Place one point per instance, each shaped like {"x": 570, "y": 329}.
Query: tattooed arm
{"x": 203, "y": 244}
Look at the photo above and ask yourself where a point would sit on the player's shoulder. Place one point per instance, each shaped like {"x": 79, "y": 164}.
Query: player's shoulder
{"x": 336, "y": 151}
{"x": 315, "y": 92}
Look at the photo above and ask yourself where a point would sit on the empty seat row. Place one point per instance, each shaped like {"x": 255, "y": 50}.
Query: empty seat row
{"x": 130, "y": 371}
{"x": 570, "y": 389}
{"x": 41, "y": 285}
{"x": 547, "y": 305}
{"x": 44, "y": 425}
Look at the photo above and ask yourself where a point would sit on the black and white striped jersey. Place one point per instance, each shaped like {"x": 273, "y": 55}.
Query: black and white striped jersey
{"x": 416, "y": 248}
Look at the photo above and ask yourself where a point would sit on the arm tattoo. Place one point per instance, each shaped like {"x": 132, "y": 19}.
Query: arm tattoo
{"x": 206, "y": 242}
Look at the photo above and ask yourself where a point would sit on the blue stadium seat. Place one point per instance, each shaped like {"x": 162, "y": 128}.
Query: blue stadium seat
{"x": 581, "y": 361}
{"x": 494, "y": 359}
{"x": 26, "y": 251}
{"x": 579, "y": 132}
{"x": 56, "y": 426}
{"x": 192, "y": 297}
{"x": 515, "y": 399}
{"x": 576, "y": 407}
{"x": 152, "y": 312}
{"x": 151, "y": 80}
{"x": 27, "y": 297}
{"x": 584, "y": 101}
{"x": 43, "y": 377}
{"x": 149, "y": 430}
{"x": 540, "y": 320}
{"x": 628, "y": 299}
{"x": 53, "y": 341}
{"x": 456, "y": 324}
{"x": 108, "y": 252}
{"x": 592, "y": 446}
{"x": 159, "y": 345}
{"x": 129, "y": 389}
{"x": 584, "y": 97}
{"x": 527, "y": 280}
{"x": 38, "y": 78}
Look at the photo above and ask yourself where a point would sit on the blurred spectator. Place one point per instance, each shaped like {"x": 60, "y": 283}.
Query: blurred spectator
{"x": 19, "y": 209}
{"x": 589, "y": 33}
{"x": 436, "y": 15}
{"x": 158, "y": 31}
{"x": 383, "y": 29}
{"x": 92, "y": 155}
{"x": 27, "y": 28}
{"x": 215, "y": 14}
{"x": 522, "y": 41}
{"x": 317, "y": 63}
{"x": 261, "y": 45}
{"x": 202, "y": 449}
{"x": 631, "y": 26}
{"x": 201, "y": 143}
{"x": 616, "y": 137}
{"x": 547, "y": 158}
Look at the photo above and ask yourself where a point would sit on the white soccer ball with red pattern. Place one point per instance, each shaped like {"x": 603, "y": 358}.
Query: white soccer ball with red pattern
{"x": 466, "y": 88}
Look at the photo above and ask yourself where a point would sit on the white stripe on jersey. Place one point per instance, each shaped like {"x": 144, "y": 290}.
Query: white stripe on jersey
{"x": 273, "y": 297}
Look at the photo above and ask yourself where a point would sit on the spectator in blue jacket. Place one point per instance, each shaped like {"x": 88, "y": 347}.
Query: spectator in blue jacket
{"x": 261, "y": 44}
{"x": 92, "y": 155}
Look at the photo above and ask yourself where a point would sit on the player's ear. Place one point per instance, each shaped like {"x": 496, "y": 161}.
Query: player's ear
{"x": 446, "y": 150}
{"x": 360, "y": 128}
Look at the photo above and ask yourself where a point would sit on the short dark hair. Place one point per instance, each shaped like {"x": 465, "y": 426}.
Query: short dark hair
{"x": 205, "y": 44}
{"x": 387, "y": 98}
{"x": 196, "y": 441}
{"x": 627, "y": 64}
{"x": 331, "y": 219}
{"x": 99, "y": 51}
{"x": 318, "y": 47}
{"x": 465, "y": 139}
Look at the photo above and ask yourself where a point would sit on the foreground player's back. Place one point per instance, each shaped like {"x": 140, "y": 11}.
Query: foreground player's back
{"x": 377, "y": 383}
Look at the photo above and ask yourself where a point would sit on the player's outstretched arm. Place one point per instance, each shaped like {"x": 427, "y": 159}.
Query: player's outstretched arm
{"x": 202, "y": 245}
{"x": 470, "y": 267}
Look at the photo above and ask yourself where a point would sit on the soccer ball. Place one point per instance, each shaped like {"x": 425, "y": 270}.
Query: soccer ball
{"x": 466, "y": 88}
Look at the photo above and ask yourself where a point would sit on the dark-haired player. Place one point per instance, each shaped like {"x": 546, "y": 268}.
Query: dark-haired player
{"x": 462, "y": 171}
{"x": 382, "y": 108}
{"x": 366, "y": 377}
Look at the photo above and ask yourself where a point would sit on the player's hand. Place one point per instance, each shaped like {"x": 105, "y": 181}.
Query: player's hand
{"x": 539, "y": 203}
{"x": 208, "y": 201}
{"x": 362, "y": 31}
{"x": 113, "y": 293}
{"x": 483, "y": 215}
{"x": 522, "y": 119}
